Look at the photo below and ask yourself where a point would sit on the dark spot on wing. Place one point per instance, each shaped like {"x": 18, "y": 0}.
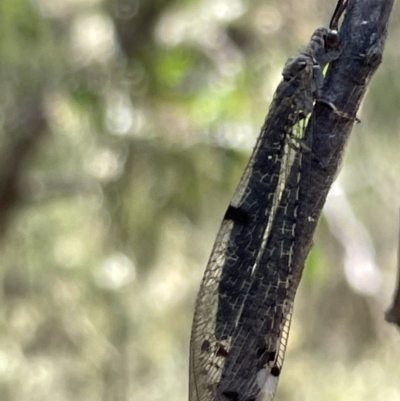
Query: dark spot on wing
{"x": 231, "y": 395}
{"x": 271, "y": 356}
{"x": 275, "y": 371}
{"x": 206, "y": 346}
{"x": 237, "y": 215}
{"x": 221, "y": 351}
{"x": 264, "y": 357}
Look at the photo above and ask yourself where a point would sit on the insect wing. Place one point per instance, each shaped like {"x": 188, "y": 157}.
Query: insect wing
{"x": 206, "y": 363}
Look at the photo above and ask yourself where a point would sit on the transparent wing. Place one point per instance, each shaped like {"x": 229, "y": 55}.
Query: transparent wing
{"x": 244, "y": 306}
{"x": 236, "y": 310}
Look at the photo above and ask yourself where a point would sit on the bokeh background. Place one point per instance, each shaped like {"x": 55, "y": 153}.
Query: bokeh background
{"x": 125, "y": 126}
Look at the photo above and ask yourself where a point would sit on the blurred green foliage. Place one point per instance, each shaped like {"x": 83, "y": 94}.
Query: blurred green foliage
{"x": 125, "y": 126}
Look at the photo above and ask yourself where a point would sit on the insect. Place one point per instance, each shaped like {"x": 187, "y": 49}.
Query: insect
{"x": 243, "y": 310}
